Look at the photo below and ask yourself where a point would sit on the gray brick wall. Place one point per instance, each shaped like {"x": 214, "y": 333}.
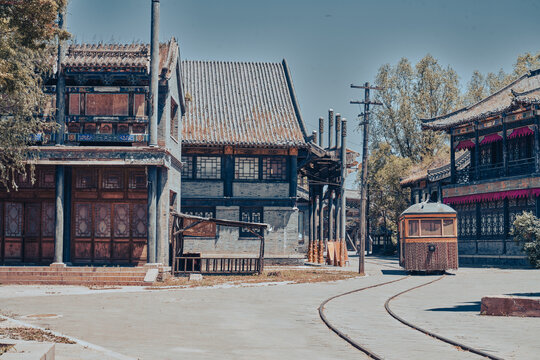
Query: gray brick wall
{"x": 282, "y": 241}
{"x": 201, "y": 189}
{"x": 261, "y": 190}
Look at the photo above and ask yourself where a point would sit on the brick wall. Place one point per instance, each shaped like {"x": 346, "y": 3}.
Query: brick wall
{"x": 202, "y": 189}
{"x": 261, "y": 190}
{"x": 282, "y": 241}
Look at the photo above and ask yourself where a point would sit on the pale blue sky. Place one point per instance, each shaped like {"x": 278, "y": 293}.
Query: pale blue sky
{"x": 328, "y": 44}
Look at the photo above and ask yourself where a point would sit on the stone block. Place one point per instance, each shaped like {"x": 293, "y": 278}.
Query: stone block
{"x": 195, "y": 277}
{"x": 522, "y": 306}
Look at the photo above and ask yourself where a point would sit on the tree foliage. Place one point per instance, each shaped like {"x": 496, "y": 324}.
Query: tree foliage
{"x": 481, "y": 86}
{"x": 410, "y": 94}
{"x": 27, "y": 32}
{"x": 387, "y": 199}
{"x": 526, "y": 231}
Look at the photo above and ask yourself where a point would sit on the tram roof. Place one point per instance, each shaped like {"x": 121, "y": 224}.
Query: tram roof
{"x": 429, "y": 208}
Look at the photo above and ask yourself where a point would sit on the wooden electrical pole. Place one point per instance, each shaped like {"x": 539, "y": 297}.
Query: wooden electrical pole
{"x": 363, "y": 180}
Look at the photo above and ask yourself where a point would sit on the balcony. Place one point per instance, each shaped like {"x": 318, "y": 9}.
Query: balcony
{"x": 521, "y": 166}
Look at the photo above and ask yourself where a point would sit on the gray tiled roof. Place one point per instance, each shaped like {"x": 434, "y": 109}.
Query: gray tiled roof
{"x": 240, "y": 103}
{"x": 492, "y": 105}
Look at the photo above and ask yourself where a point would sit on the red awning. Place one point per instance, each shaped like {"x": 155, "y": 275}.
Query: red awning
{"x": 522, "y": 131}
{"x": 491, "y": 138}
{"x": 465, "y": 144}
{"x": 511, "y": 194}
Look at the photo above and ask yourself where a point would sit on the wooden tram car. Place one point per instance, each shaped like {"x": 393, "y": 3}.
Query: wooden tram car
{"x": 428, "y": 238}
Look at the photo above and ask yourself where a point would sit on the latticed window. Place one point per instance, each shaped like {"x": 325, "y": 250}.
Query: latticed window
{"x": 246, "y": 168}
{"x": 274, "y": 168}
{"x": 518, "y": 206}
{"x": 250, "y": 214}
{"x": 492, "y": 219}
{"x": 466, "y": 214}
{"x": 187, "y": 167}
{"x": 206, "y": 212}
{"x": 208, "y": 167}
{"x": 520, "y": 148}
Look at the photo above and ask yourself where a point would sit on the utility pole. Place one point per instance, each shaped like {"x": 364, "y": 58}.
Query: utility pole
{"x": 363, "y": 181}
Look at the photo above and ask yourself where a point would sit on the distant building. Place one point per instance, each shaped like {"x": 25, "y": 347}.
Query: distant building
{"x": 494, "y": 170}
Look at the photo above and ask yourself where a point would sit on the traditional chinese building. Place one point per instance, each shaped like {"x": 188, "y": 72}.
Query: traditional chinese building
{"x": 242, "y": 139}
{"x": 104, "y": 182}
{"x": 494, "y": 170}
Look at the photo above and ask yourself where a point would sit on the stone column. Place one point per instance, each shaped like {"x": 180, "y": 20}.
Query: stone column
{"x": 59, "y": 218}
{"x": 162, "y": 230}
{"x": 152, "y": 213}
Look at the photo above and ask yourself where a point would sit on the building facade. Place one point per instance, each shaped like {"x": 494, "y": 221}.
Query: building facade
{"x": 242, "y": 139}
{"x": 91, "y": 202}
{"x": 494, "y": 169}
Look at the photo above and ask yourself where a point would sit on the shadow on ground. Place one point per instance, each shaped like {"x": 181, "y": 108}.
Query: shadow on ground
{"x": 537, "y": 294}
{"x": 472, "y": 306}
{"x": 394, "y": 272}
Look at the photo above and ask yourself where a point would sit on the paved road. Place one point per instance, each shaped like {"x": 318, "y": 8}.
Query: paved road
{"x": 281, "y": 322}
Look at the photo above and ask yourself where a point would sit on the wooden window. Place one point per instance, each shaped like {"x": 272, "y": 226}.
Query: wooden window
{"x": 413, "y": 228}
{"x": 137, "y": 179}
{"x": 251, "y": 214}
{"x": 85, "y": 179}
{"x": 274, "y": 168}
{"x": 174, "y": 119}
{"x": 448, "y": 227}
{"x": 74, "y": 104}
{"x": 246, "y": 168}
{"x": 107, "y": 104}
{"x": 208, "y": 167}
{"x": 112, "y": 179}
{"x": 139, "y": 105}
{"x": 430, "y": 227}
{"x": 187, "y": 167}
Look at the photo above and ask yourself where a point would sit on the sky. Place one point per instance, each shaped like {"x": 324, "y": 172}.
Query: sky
{"x": 329, "y": 44}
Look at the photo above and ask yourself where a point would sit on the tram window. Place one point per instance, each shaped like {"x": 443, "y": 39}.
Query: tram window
{"x": 413, "y": 228}
{"x": 431, "y": 227}
{"x": 448, "y": 227}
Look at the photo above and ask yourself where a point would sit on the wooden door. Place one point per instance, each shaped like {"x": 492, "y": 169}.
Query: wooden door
{"x": 27, "y": 232}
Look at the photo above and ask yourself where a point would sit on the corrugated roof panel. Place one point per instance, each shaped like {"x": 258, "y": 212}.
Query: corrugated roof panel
{"x": 239, "y": 103}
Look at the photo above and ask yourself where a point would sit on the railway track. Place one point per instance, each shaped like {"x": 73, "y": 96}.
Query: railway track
{"x": 371, "y": 354}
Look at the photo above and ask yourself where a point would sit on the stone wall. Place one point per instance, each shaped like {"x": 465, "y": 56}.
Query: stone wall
{"x": 282, "y": 241}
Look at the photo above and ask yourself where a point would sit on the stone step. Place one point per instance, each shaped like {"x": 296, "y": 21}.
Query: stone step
{"x": 4, "y": 269}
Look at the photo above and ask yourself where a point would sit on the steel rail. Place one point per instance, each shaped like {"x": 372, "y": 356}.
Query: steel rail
{"x": 344, "y": 336}
{"x": 429, "y": 333}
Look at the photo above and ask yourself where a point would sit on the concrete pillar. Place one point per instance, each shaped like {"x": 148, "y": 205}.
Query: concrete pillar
{"x": 152, "y": 213}
{"x": 293, "y": 175}
{"x": 321, "y": 132}
{"x": 321, "y": 214}
{"x": 330, "y": 129}
{"x": 338, "y": 130}
{"x": 154, "y": 72}
{"x": 59, "y": 218}
{"x": 331, "y": 208}
{"x": 163, "y": 198}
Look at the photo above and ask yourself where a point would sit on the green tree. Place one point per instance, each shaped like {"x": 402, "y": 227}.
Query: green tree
{"x": 526, "y": 231}
{"x": 477, "y": 88}
{"x": 410, "y": 94}
{"x": 387, "y": 199}
{"x": 27, "y": 33}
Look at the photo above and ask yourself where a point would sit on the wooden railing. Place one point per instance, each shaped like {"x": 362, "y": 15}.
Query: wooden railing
{"x": 186, "y": 264}
{"x": 203, "y": 265}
